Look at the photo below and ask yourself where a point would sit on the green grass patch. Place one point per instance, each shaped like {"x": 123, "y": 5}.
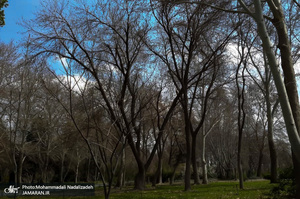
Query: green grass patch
{"x": 215, "y": 190}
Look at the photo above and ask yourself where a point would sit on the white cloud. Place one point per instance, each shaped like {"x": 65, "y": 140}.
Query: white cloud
{"x": 77, "y": 83}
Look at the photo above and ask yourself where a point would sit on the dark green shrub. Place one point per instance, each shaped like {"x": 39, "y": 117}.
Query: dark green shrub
{"x": 286, "y": 187}
{"x": 287, "y": 173}
{"x": 267, "y": 176}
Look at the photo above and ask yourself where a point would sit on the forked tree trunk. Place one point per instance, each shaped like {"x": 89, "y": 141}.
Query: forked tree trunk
{"x": 157, "y": 178}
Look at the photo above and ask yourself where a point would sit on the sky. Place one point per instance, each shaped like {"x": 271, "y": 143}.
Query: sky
{"x": 16, "y": 10}
{"x": 25, "y": 9}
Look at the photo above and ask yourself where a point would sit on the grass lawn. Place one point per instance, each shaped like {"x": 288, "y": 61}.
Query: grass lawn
{"x": 214, "y": 190}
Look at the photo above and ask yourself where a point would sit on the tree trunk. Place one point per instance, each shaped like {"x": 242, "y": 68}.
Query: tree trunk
{"x": 139, "y": 182}
{"x": 62, "y": 169}
{"x": 273, "y": 153}
{"x": 187, "y": 177}
{"x": 261, "y": 156}
{"x": 15, "y": 167}
{"x": 240, "y": 168}
{"x": 121, "y": 174}
{"x": 20, "y": 168}
{"x": 297, "y": 175}
{"x": 260, "y": 159}
{"x": 88, "y": 170}
{"x": 157, "y": 178}
{"x": 194, "y": 159}
{"x": 77, "y": 171}
{"x": 241, "y": 123}
{"x": 45, "y": 170}
{"x": 272, "y": 148}
{"x": 204, "y": 164}
{"x": 174, "y": 170}
{"x": 159, "y": 170}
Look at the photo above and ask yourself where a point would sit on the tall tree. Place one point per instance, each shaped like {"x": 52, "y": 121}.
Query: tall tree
{"x": 190, "y": 56}
{"x": 287, "y": 89}
{"x": 264, "y": 76}
{"x": 116, "y": 61}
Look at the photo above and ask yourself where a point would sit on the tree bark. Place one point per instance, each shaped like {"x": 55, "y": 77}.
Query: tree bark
{"x": 187, "y": 177}
{"x": 260, "y": 159}
{"x": 20, "y": 168}
{"x": 204, "y": 164}
{"x": 272, "y": 148}
{"x": 62, "y": 168}
{"x": 139, "y": 181}
{"x": 296, "y": 164}
{"x": 194, "y": 159}
{"x": 121, "y": 174}
{"x": 157, "y": 178}
{"x": 77, "y": 171}
{"x": 240, "y": 168}
{"x": 159, "y": 168}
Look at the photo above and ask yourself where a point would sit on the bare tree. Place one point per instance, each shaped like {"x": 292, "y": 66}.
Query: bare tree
{"x": 288, "y": 89}
{"x": 20, "y": 99}
{"x": 265, "y": 88}
{"x": 184, "y": 41}
{"x": 288, "y": 97}
{"x": 115, "y": 60}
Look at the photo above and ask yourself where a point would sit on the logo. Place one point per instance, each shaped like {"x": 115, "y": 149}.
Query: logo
{"x": 11, "y": 190}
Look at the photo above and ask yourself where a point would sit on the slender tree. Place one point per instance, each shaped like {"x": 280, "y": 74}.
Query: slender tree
{"x": 287, "y": 89}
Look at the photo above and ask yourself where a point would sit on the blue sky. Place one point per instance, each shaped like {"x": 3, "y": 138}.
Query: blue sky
{"x": 16, "y": 10}
{"x": 14, "y": 13}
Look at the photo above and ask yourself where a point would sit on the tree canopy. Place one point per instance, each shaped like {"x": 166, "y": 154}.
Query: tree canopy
{"x": 3, "y": 4}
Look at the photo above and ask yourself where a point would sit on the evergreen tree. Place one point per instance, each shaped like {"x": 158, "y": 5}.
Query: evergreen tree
{"x": 3, "y": 4}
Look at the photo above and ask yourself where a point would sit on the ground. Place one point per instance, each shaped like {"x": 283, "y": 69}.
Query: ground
{"x": 215, "y": 190}
{"x": 257, "y": 189}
